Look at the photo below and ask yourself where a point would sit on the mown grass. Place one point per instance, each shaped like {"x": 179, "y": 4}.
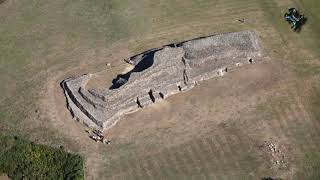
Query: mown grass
{"x": 309, "y": 169}
{"x": 311, "y": 9}
{"x": 307, "y": 69}
{"x": 288, "y": 119}
{"x": 310, "y": 165}
{"x": 205, "y": 158}
{"x": 315, "y": 101}
{"x": 40, "y": 38}
{"x": 306, "y": 41}
{"x": 20, "y": 159}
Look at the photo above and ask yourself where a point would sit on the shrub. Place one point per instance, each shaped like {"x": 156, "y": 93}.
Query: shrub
{"x": 21, "y": 159}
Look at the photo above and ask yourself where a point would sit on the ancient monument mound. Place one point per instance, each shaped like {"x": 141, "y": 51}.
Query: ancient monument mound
{"x": 158, "y": 74}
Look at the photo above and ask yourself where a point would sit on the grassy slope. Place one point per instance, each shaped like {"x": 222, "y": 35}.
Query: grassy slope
{"x": 41, "y": 38}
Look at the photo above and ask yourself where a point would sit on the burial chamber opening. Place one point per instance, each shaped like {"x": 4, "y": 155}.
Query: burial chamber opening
{"x": 153, "y": 99}
{"x": 145, "y": 63}
{"x": 161, "y": 95}
{"x": 139, "y": 103}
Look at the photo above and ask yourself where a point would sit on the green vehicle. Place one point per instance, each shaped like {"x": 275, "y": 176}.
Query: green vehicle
{"x": 295, "y": 19}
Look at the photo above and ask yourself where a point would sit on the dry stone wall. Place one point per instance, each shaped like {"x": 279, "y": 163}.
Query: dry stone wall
{"x": 158, "y": 74}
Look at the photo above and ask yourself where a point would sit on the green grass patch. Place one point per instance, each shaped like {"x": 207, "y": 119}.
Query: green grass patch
{"x": 315, "y": 101}
{"x": 305, "y": 69}
{"x": 20, "y": 159}
{"x": 309, "y": 159}
{"x": 310, "y": 167}
{"x": 295, "y": 42}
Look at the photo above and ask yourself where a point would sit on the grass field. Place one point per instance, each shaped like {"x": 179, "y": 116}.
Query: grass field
{"x": 207, "y": 133}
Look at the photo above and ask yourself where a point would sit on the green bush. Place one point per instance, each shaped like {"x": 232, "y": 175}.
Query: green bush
{"x": 20, "y": 159}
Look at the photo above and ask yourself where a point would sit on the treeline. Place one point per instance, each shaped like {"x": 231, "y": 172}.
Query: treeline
{"x": 20, "y": 159}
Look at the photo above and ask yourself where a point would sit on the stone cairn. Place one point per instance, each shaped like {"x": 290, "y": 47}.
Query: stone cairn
{"x": 158, "y": 74}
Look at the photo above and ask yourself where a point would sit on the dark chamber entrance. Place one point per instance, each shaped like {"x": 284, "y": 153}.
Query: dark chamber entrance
{"x": 145, "y": 63}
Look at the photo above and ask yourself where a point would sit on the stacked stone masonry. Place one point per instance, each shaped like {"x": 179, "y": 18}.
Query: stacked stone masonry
{"x": 158, "y": 74}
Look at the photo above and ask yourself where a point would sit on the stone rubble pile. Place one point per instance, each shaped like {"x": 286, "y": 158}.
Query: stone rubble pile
{"x": 278, "y": 158}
